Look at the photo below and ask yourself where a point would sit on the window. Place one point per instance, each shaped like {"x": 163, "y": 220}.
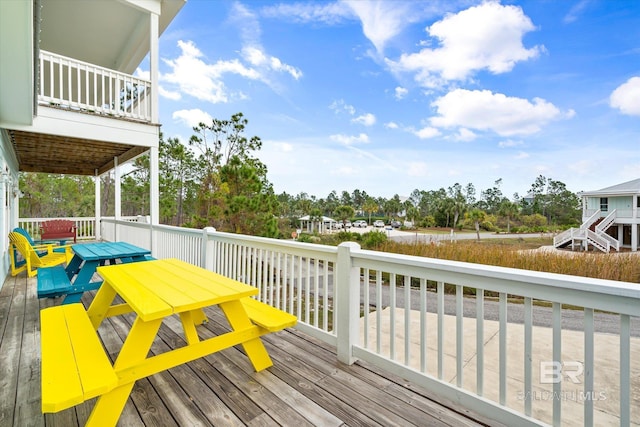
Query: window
{"x": 604, "y": 204}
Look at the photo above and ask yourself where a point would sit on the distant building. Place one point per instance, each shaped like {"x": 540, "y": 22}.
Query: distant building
{"x": 610, "y": 219}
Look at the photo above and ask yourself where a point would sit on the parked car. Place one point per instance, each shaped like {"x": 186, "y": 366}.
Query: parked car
{"x": 395, "y": 224}
{"x": 360, "y": 223}
{"x": 378, "y": 224}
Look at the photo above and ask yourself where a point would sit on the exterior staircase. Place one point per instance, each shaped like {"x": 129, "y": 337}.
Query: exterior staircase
{"x": 591, "y": 232}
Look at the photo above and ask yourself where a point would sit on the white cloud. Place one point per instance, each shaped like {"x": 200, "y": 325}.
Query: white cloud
{"x": 484, "y": 37}
{"x": 427, "y": 132}
{"x": 331, "y": 13}
{"x": 465, "y": 135}
{"x": 419, "y": 169}
{"x": 391, "y": 125}
{"x": 509, "y": 143}
{"x": 340, "y": 106}
{"x": 382, "y": 20}
{"x": 191, "y": 75}
{"x": 192, "y": 118}
{"x": 576, "y": 11}
{"x": 522, "y": 155}
{"x": 626, "y": 97}
{"x": 365, "y": 119}
{"x": 172, "y": 95}
{"x": 401, "y": 92}
{"x": 363, "y": 138}
{"x": 487, "y": 111}
{"x": 256, "y": 57}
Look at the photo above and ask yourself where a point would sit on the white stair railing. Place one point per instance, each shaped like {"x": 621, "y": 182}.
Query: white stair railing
{"x": 606, "y": 222}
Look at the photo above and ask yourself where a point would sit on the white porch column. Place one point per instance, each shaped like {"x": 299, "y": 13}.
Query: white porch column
{"x": 118, "y": 197}
{"x": 98, "y": 207}
{"x": 634, "y": 237}
{"x": 153, "y": 64}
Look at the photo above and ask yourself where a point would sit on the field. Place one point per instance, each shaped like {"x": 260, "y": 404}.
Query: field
{"x": 527, "y": 254}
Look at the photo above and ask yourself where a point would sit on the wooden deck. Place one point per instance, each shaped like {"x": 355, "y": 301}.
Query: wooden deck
{"x": 306, "y": 386}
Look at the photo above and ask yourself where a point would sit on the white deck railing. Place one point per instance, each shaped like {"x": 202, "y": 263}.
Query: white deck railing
{"x": 85, "y": 226}
{"x": 432, "y": 321}
{"x": 80, "y": 86}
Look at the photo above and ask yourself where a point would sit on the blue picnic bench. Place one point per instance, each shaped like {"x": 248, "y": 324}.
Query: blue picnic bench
{"x": 77, "y": 277}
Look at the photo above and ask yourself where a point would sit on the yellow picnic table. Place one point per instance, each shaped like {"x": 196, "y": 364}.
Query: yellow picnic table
{"x": 153, "y": 290}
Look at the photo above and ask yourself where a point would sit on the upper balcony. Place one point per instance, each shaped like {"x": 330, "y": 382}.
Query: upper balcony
{"x": 70, "y": 102}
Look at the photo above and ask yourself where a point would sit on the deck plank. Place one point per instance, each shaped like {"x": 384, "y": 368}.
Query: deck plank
{"x": 306, "y": 386}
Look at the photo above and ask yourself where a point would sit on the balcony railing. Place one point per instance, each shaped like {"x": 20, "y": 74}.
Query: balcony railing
{"x": 80, "y": 86}
{"x": 433, "y": 322}
{"x": 520, "y": 347}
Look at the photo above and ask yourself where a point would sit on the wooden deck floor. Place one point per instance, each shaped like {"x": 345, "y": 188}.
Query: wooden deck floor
{"x": 306, "y": 386}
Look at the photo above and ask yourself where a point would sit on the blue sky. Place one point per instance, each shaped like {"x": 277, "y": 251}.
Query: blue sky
{"x": 392, "y": 96}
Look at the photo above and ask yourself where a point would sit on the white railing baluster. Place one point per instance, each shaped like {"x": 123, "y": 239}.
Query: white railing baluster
{"x": 407, "y": 319}
{"x": 365, "y": 301}
{"x": 557, "y": 359}
{"x": 378, "y": 311}
{"x": 423, "y": 325}
{"x": 479, "y": 342}
{"x": 459, "y": 335}
{"x": 588, "y": 367}
{"x": 392, "y": 316}
{"x": 316, "y": 288}
{"x": 625, "y": 371}
{"x": 502, "y": 358}
{"x": 440, "y": 330}
{"x": 528, "y": 354}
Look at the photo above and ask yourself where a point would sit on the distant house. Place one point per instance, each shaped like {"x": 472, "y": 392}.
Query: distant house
{"x": 610, "y": 219}
{"x": 321, "y": 226}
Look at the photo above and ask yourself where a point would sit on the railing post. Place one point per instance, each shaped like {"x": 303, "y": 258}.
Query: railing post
{"x": 346, "y": 288}
{"x": 208, "y": 249}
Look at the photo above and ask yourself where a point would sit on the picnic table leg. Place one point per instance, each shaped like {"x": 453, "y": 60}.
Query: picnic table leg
{"x": 109, "y": 406}
{"x": 100, "y": 305}
{"x": 238, "y": 319}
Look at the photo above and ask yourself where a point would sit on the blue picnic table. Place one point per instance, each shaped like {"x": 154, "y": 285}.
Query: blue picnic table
{"x": 77, "y": 277}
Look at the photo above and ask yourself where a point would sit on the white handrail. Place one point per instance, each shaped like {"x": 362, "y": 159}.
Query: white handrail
{"x": 81, "y": 86}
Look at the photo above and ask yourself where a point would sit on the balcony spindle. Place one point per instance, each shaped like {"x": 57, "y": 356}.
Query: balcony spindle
{"x": 588, "y": 367}
{"x": 423, "y": 325}
{"x": 365, "y": 300}
{"x": 378, "y": 311}
{"x": 503, "y": 347}
{"x": 625, "y": 370}
{"x": 479, "y": 342}
{"x": 440, "y": 330}
{"x": 528, "y": 352}
{"x": 557, "y": 359}
{"x": 459, "y": 335}
{"x": 392, "y": 316}
{"x": 407, "y": 320}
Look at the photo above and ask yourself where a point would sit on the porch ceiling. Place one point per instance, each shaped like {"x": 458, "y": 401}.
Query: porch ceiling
{"x": 69, "y": 156}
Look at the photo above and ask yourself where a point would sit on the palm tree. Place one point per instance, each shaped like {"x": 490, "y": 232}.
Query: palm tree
{"x": 508, "y": 210}
{"x": 370, "y": 206}
{"x": 344, "y": 213}
{"x": 477, "y": 216}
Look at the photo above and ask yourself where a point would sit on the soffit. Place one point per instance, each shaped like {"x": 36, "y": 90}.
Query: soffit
{"x": 63, "y": 155}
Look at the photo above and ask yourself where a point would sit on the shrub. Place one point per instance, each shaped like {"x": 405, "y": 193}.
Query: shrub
{"x": 372, "y": 239}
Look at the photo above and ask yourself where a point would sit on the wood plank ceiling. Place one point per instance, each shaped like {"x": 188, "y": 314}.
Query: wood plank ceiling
{"x": 69, "y": 156}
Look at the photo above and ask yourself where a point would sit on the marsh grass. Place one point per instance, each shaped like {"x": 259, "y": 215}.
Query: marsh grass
{"x": 520, "y": 253}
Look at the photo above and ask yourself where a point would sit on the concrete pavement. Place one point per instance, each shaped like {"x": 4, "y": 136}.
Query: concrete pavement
{"x": 606, "y": 376}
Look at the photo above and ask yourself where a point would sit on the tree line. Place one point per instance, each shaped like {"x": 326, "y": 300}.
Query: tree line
{"x": 218, "y": 180}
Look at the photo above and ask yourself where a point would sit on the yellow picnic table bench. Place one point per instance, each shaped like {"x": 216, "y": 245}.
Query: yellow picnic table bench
{"x": 75, "y": 366}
